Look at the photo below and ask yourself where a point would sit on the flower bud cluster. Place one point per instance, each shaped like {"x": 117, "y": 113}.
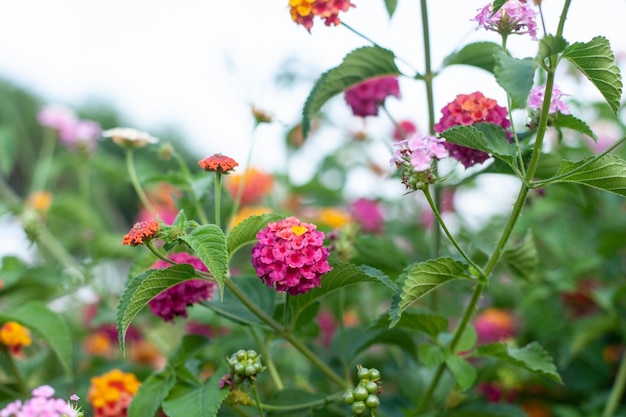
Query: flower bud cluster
{"x": 242, "y": 365}
{"x": 365, "y": 395}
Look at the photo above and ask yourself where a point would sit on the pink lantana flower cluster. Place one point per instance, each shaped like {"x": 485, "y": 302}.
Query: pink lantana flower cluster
{"x": 469, "y": 109}
{"x": 303, "y": 11}
{"x": 73, "y": 133}
{"x": 418, "y": 152}
{"x": 365, "y": 98}
{"x": 290, "y": 256}
{"x": 175, "y": 300}
{"x": 535, "y": 100}
{"x": 41, "y": 404}
{"x": 515, "y": 16}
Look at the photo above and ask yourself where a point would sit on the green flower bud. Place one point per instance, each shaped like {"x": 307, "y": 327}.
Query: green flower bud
{"x": 360, "y": 392}
{"x": 348, "y": 397}
{"x": 372, "y": 401}
{"x": 359, "y": 408}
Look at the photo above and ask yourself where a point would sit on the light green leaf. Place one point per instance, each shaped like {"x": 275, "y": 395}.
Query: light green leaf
{"x": 515, "y": 76}
{"x": 570, "y": 122}
{"x": 209, "y": 244}
{"x": 49, "y": 326}
{"x": 596, "y": 61}
{"x": 143, "y": 288}
{"x": 478, "y": 54}
{"x": 391, "y": 5}
{"x": 359, "y": 65}
{"x": 245, "y": 232}
{"x": 427, "y": 276}
{"x": 485, "y": 137}
{"x": 151, "y": 394}
{"x": 606, "y": 173}
{"x": 463, "y": 371}
{"x": 523, "y": 259}
{"x": 550, "y": 45}
{"x": 531, "y": 357}
{"x": 431, "y": 355}
{"x": 197, "y": 401}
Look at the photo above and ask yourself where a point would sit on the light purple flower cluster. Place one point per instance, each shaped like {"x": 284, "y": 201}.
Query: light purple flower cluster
{"x": 290, "y": 256}
{"x": 535, "y": 100}
{"x": 175, "y": 300}
{"x": 366, "y": 97}
{"x": 514, "y": 16}
{"x": 41, "y": 404}
{"x": 73, "y": 132}
{"x": 419, "y": 151}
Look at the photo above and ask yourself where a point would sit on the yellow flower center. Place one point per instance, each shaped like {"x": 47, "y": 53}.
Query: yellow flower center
{"x": 298, "y": 230}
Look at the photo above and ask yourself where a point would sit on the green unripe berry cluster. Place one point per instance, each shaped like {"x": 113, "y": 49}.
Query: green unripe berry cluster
{"x": 244, "y": 365}
{"x": 365, "y": 395}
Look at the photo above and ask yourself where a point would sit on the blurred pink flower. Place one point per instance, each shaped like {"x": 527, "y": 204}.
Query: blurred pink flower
{"x": 367, "y": 213}
{"x": 366, "y": 97}
{"x": 608, "y": 133}
{"x": 495, "y": 325}
{"x": 303, "y": 11}
{"x": 535, "y": 100}
{"x": 404, "y": 129}
{"x": 514, "y": 16}
{"x": 41, "y": 404}
{"x": 73, "y": 132}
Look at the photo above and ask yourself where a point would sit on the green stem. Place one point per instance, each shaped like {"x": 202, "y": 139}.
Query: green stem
{"x": 135, "y": 181}
{"x": 157, "y": 253}
{"x": 324, "y": 401}
{"x": 44, "y": 162}
{"x": 17, "y": 374}
{"x": 618, "y": 389}
{"x": 218, "y": 195}
{"x": 280, "y": 330}
{"x": 271, "y": 367}
{"x": 192, "y": 196}
{"x": 256, "y": 399}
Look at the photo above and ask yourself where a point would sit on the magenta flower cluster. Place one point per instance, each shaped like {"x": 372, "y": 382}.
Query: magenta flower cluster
{"x": 515, "y": 16}
{"x": 290, "y": 256}
{"x": 368, "y": 215}
{"x": 418, "y": 151}
{"x": 535, "y": 100}
{"x": 73, "y": 132}
{"x": 41, "y": 404}
{"x": 365, "y": 98}
{"x": 175, "y": 300}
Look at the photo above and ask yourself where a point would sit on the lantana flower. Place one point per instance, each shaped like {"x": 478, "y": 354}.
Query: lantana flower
{"x": 127, "y": 137}
{"x": 495, "y": 325}
{"x": 365, "y": 98}
{"x": 303, "y": 11}
{"x": 14, "y": 336}
{"x": 141, "y": 233}
{"x": 290, "y": 256}
{"x": 404, "y": 129}
{"x": 218, "y": 163}
{"x": 469, "y": 109}
{"x": 175, "y": 300}
{"x": 514, "y": 17}
{"x": 257, "y": 184}
{"x": 73, "y": 133}
{"x": 110, "y": 394}
{"x": 368, "y": 215}
{"x": 535, "y": 100}
{"x": 42, "y": 404}
{"x": 418, "y": 152}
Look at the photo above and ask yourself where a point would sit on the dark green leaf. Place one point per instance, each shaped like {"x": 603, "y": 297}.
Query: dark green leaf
{"x": 478, "y": 54}
{"x": 522, "y": 260}
{"x": 428, "y": 323}
{"x": 570, "y": 122}
{"x": 606, "y": 173}
{"x": 515, "y": 76}
{"x": 391, "y": 5}
{"x": 209, "y": 244}
{"x": 151, "y": 394}
{"x": 8, "y": 150}
{"x": 463, "y": 371}
{"x": 497, "y": 5}
{"x": 431, "y": 355}
{"x": 349, "y": 343}
{"x": 532, "y": 357}
{"x": 488, "y": 410}
{"x": 359, "y": 65}
{"x": 550, "y": 45}
{"x": 49, "y": 326}
{"x": 596, "y": 61}
{"x": 245, "y": 232}
{"x": 485, "y": 137}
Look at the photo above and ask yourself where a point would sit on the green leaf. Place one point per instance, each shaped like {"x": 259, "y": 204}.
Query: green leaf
{"x": 245, "y": 232}
{"x": 515, "y": 76}
{"x": 488, "y": 410}
{"x": 197, "y": 401}
{"x": 151, "y": 394}
{"x": 391, "y": 5}
{"x": 463, "y": 371}
{"x": 550, "y": 45}
{"x": 209, "y": 244}
{"x": 431, "y": 355}
{"x": 523, "y": 259}
{"x": 428, "y": 323}
{"x": 356, "y": 339}
{"x": 606, "y": 173}
{"x": 143, "y": 288}
{"x": 49, "y": 326}
{"x": 8, "y": 150}
{"x": 596, "y": 61}
{"x": 497, "y": 5}
{"x": 531, "y": 357}
{"x": 427, "y": 276}
{"x": 478, "y": 54}
{"x": 359, "y": 65}
{"x": 486, "y": 137}
{"x": 570, "y": 122}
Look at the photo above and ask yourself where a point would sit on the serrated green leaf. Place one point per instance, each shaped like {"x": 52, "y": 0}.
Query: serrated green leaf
{"x": 381, "y": 277}
{"x": 143, "y": 288}
{"x": 531, "y": 357}
{"x": 49, "y": 326}
{"x": 202, "y": 400}
{"x": 245, "y": 232}
{"x": 431, "y": 355}
{"x": 486, "y": 137}
{"x": 427, "y": 276}
{"x": 515, "y": 76}
{"x": 478, "y": 54}
{"x": 209, "y": 244}
{"x": 523, "y": 259}
{"x": 359, "y": 65}
{"x": 391, "y": 6}
{"x": 147, "y": 401}
{"x": 570, "y": 122}
{"x": 463, "y": 371}
{"x": 550, "y": 45}
{"x": 606, "y": 173}
{"x": 428, "y": 323}
{"x": 596, "y": 61}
